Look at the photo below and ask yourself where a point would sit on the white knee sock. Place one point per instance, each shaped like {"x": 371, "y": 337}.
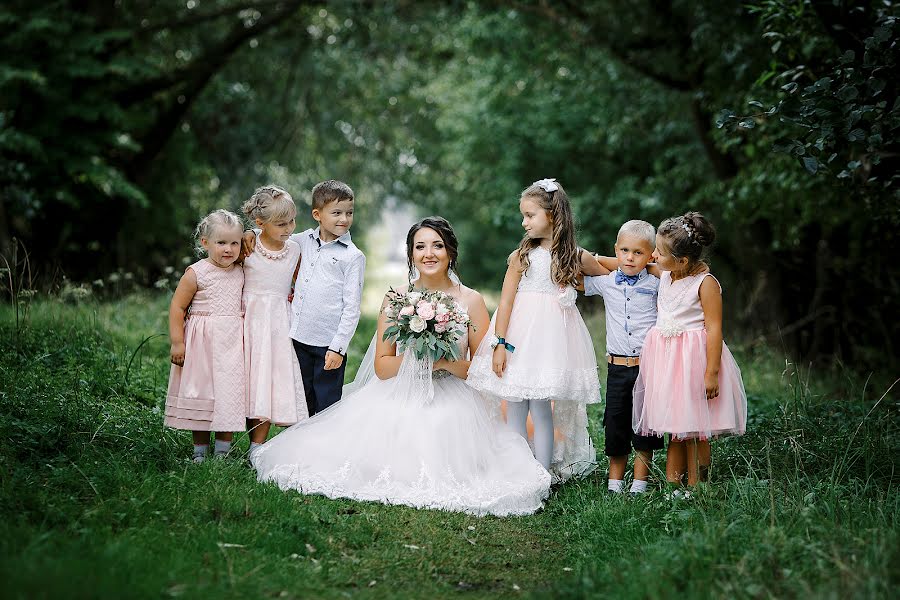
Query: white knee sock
{"x": 542, "y": 416}
{"x": 516, "y": 416}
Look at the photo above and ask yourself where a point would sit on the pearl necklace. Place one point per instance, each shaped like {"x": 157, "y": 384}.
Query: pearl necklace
{"x": 270, "y": 254}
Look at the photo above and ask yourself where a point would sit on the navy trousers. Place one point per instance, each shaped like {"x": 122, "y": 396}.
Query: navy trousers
{"x": 323, "y": 388}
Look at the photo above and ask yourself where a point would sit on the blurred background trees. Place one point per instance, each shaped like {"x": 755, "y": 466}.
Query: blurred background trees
{"x": 122, "y": 122}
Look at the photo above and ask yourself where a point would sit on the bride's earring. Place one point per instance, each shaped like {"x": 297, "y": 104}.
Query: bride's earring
{"x": 413, "y": 274}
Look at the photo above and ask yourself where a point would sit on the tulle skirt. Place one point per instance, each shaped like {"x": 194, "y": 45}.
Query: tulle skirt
{"x": 273, "y": 382}
{"x": 553, "y": 360}
{"x": 670, "y": 393}
{"x": 449, "y": 455}
{"x": 554, "y": 356}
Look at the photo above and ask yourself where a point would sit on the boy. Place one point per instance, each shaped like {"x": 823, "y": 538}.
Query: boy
{"x": 629, "y": 294}
{"x": 326, "y": 304}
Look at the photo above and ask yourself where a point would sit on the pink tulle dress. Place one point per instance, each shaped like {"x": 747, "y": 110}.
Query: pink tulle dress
{"x": 207, "y": 393}
{"x": 273, "y": 384}
{"x": 670, "y": 393}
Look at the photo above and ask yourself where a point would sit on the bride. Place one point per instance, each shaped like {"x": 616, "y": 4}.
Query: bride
{"x": 387, "y": 443}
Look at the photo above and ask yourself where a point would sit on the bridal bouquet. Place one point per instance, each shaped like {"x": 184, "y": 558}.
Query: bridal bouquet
{"x": 428, "y": 323}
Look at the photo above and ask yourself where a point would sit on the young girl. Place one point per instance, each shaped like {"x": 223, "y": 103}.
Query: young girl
{"x": 206, "y": 383}
{"x": 689, "y": 385}
{"x": 273, "y": 385}
{"x": 537, "y": 349}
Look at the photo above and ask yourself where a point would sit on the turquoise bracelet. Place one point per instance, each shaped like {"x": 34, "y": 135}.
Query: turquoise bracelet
{"x": 502, "y": 342}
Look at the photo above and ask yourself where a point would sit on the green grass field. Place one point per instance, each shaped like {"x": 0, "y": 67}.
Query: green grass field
{"x": 98, "y": 500}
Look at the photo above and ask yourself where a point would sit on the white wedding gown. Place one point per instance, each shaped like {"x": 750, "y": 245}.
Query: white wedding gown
{"x": 384, "y": 442}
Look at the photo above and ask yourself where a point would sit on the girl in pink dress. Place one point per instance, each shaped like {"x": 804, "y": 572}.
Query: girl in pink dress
{"x": 689, "y": 385}
{"x": 273, "y": 386}
{"x": 538, "y": 354}
{"x": 206, "y": 382}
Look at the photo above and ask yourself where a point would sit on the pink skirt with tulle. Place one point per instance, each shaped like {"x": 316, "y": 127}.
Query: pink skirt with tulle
{"x": 670, "y": 393}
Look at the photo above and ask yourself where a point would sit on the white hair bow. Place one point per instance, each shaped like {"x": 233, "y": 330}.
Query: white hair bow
{"x": 548, "y": 185}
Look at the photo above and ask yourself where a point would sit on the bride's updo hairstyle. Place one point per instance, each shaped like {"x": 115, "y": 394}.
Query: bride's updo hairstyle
{"x": 443, "y": 229}
{"x": 688, "y": 236}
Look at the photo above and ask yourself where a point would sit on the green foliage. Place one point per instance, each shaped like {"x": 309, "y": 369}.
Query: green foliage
{"x": 119, "y": 128}
{"x": 837, "y": 104}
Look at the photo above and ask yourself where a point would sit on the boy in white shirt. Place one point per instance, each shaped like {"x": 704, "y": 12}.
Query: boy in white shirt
{"x": 326, "y": 303}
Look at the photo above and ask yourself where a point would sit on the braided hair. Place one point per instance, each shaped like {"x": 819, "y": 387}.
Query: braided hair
{"x": 688, "y": 236}
{"x": 270, "y": 203}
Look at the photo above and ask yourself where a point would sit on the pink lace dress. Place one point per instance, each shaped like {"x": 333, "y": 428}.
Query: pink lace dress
{"x": 207, "y": 393}
{"x": 273, "y": 385}
{"x": 670, "y": 393}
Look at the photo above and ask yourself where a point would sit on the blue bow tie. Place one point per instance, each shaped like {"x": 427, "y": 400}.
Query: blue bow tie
{"x": 629, "y": 279}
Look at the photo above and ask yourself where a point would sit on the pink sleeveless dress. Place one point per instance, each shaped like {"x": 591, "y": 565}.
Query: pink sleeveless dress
{"x": 207, "y": 393}
{"x": 670, "y": 393}
{"x": 272, "y": 381}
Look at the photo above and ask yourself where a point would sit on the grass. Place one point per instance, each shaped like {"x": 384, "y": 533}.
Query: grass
{"x": 97, "y": 500}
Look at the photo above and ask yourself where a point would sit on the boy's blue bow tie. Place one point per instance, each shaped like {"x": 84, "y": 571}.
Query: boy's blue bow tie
{"x": 629, "y": 279}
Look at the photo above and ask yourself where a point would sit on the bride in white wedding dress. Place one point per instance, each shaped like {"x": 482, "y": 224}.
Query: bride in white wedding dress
{"x": 386, "y": 441}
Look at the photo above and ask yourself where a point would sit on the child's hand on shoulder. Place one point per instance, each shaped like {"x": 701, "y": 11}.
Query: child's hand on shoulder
{"x": 176, "y": 354}
{"x": 333, "y": 360}
{"x": 248, "y": 243}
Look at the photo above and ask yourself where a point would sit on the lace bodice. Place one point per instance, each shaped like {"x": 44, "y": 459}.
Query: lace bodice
{"x": 679, "y": 303}
{"x": 537, "y": 277}
{"x": 218, "y": 290}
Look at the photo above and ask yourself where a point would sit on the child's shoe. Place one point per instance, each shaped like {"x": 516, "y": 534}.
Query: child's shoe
{"x": 679, "y": 494}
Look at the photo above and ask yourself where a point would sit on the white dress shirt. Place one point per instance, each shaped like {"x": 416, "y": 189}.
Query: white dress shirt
{"x": 328, "y": 291}
{"x": 630, "y": 310}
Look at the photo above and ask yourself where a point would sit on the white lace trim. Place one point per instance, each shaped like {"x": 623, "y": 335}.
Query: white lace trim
{"x": 575, "y": 385}
{"x": 446, "y": 492}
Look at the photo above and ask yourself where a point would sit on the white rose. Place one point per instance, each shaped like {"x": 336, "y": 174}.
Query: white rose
{"x": 413, "y": 297}
{"x": 417, "y": 324}
{"x": 567, "y": 296}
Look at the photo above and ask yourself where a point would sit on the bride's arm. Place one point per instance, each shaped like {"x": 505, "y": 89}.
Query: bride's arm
{"x": 387, "y": 363}
{"x": 478, "y": 327}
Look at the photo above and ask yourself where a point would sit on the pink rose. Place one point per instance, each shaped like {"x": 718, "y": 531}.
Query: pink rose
{"x": 425, "y": 310}
{"x": 440, "y": 326}
{"x": 407, "y": 310}
{"x": 444, "y": 318}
